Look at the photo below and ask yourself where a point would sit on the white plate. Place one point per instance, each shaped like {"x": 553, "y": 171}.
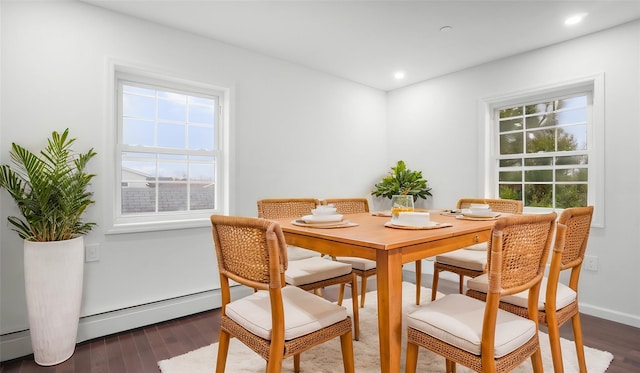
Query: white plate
{"x": 321, "y": 218}
{"x": 487, "y": 215}
{"x": 399, "y": 224}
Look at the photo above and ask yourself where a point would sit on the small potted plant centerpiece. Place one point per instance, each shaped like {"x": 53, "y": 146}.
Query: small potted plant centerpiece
{"x": 402, "y": 181}
{"x": 50, "y": 190}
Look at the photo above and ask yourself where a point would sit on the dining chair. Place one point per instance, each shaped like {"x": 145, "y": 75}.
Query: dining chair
{"x": 312, "y": 273}
{"x": 557, "y": 303}
{"x": 480, "y": 335}
{"x": 470, "y": 261}
{"x": 362, "y": 267}
{"x": 277, "y": 321}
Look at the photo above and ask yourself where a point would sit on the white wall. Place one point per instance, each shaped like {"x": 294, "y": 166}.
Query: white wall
{"x": 435, "y": 126}
{"x": 295, "y": 132}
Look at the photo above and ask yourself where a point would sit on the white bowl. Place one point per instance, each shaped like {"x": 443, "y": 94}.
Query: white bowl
{"x": 324, "y": 210}
{"x": 322, "y": 218}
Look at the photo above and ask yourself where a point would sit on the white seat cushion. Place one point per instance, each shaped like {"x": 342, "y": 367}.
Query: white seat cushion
{"x": 482, "y": 246}
{"x": 306, "y": 271}
{"x": 304, "y": 313}
{"x": 471, "y": 259}
{"x": 564, "y": 295}
{"x": 357, "y": 263}
{"x": 298, "y": 253}
{"x": 457, "y": 319}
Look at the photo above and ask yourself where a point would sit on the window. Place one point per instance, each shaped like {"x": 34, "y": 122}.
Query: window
{"x": 543, "y": 157}
{"x": 545, "y": 147}
{"x": 169, "y": 153}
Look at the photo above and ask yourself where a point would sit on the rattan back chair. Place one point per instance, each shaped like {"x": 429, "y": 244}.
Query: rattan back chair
{"x": 277, "y": 321}
{"x": 312, "y": 273}
{"x": 557, "y": 303}
{"x": 470, "y": 261}
{"x": 362, "y": 267}
{"x": 478, "y": 334}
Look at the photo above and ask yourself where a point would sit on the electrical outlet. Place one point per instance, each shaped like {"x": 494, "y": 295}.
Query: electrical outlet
{"x": 92, "y": 253}
{"x": 591, "y": 263}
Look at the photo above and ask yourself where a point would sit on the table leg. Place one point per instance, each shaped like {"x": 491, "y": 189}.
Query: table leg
{"x": 389, "y": 286}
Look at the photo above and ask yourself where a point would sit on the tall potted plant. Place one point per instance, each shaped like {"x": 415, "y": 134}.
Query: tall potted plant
{"x": 402, "y": 181}
{"x": 50, "y": 190}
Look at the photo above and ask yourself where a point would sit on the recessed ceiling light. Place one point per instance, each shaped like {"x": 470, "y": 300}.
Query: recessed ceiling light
{"x": 446, "y": 28}
{"x": 574, "y": 19}
{"x": 399, "y": 75}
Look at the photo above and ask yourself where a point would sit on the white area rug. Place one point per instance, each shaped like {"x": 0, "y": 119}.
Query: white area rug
{"x": 328, "y": 359}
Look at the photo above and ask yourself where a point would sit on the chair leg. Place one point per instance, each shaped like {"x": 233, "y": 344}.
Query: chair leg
{"x": 341, "y": 294}
{"x": 412, "y": 358}
{"x": 296, "y": 363}
{"x": 434, "y": 283}
{"x": 536, "y": 361}
{"x": 363, "y": 291}
{"x": 554, "y": 342}
{"x": 354, "y": 304}
{"x": 223, "y": 350}
{"x": 450, "y": 366}
{"x": 347, "y": 352}
{"x": 418, "y": 280}
{"x": 577, "y": 334}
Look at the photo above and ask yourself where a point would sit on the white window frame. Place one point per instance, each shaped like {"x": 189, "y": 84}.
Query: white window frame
{"x": 489, "y": 149}
{"x": 129, "y": 223}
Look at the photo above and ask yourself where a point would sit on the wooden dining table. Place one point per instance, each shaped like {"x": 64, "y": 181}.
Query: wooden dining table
{"x": 390, "y": 248}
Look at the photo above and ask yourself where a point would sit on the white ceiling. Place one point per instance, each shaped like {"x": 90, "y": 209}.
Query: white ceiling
{"x": 367, "y": 41}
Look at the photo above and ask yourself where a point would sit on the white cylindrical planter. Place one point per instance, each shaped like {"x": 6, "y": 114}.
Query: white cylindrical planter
{"x": 53, "y": 282}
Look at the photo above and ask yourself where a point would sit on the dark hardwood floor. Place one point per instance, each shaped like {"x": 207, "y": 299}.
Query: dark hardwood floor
{"x": 139, "y": 350}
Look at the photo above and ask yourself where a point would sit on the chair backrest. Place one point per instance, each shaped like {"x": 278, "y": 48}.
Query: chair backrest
{"x": 251, "y": 251}
{"x": 498, "y": 205}
{"x": 277, "y": 208}
{"x": 519, "y": 248}
{"x": 348, "y": 205}
{"x": 570, "y": 246}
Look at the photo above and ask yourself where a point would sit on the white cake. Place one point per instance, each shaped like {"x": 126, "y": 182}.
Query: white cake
{"x": 413, "y": 219}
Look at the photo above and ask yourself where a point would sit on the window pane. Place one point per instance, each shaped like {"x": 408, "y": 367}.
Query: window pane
{"x": 542, "y": 107}
{"x": 138, "y": 199}
{"x": 510, "y": 176}
{"x": 580, "y": 101}
{"x": 138, "y": 106}
{"x": 538, "y": 175}
{"x": 510, "y": 125}
{"x": 572, "y": 138}
{"x": 172, "y": 170}
{"x": 511, "y": 112}
{"x": 574, "y": 159}
{"x": 201, "y": 172}
{"x": 572, "y": 116}
{"x": 541, "y": 141}
{"x": 139, "y": 90}
{"x": 511, "y": 143}
{"x": 172, "y": 197}
{"x": 572, "y": 174}
{"x": 540, "y": 121}
{"x": 201, "y": 114}
{"x": 202, "y": 196}
{"x": 511, "y": 162}
{"x": 544, "y": 161}
{"x": 538, "y": 195}
{"x": 171, "y": 135}
{"x": 511, "y": 191}
{"x": 571, "y": 195}
{"x": 172, "y": 110}
{"x": 137, "y": 132}
{"x": 201, "y": 138}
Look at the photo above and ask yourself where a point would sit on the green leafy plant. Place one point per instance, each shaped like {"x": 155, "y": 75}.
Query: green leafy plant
{"x": 50, "y": 190}
{"x": 402, "y": 180}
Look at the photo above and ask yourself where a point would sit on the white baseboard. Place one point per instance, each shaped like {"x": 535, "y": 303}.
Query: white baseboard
{"x": 18, "y": 344}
